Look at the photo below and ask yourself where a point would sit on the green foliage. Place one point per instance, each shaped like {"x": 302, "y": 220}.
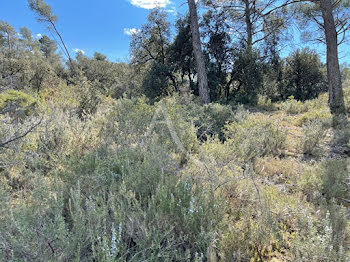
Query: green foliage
{"x": 90, "y": 98}
{"x": 347, "y": 95}
{"x": 212, "y": 118}
{"x": 181, "y": 52}
{"x": 43, "y": 10}
{"x": 116, "y": 185}
{"x": 322, "y": 115}
{"x": 326, "y": 182}
{"x": 292, "y": 106}
{"x": 248, "y": 74}
{"x": 304, "y": 75}
{"x": 219, "y": 52}
{"x": 17, "y": 103}
{"x": 99, "y": 206}
{"x": 255, "y": 136}
{"x": 316, "y": 241}
{"x": 7, "y": 32}
{"x": 156, "y": 83}
{"x": 92, "y": 170}
{"x": 314, "y": 134}
{"x": 107, "y": 78}
{"x": 47, "y": 46}
{"x": 265, "y": 103}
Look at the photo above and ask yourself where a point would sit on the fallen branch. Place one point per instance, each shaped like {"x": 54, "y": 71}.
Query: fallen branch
{"x": 3, "y": 144}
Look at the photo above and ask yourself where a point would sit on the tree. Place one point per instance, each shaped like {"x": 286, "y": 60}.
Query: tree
{"x": 332, "y": 19}
{"x": 250, "y": 20}
{"x": 273, "y": 67}
{"x": 219, "y": 50}
{"x": 27, "y": 39}
{"x": 9, "y": 34}
{"x": 45, "y": 14}
{"x": 151, "y": 42}
{"x": 150, "y": 48}
{"x": 181, "y": 53}
{"x": 198, "y": 54}
{"x": 251, "y": 23}
{"x": 100, "y": 57}
{"x": 336, "y": 97}
{"x": 303, "y": 75}
{"x": 47, "y": 46}
{"x": 247, "y": 73}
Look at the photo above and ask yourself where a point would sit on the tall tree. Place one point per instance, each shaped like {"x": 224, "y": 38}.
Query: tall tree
{"x": 251, "y": 23}
{"x": 150, "y": 47}
{"x": 27, "y": 39}
{"x": 151, "y": 42}
{"x": 47, "y": 46}
{"x": 248, "y": 18}
{"x": 198, "y": 54}
{"x": 45, "y": 14}
{"x": 219, "y": 50}
{"x": 336, "y": 97}
{"x": 181, "y": 53}
{"x": 9, "y": 34}
{"x": 332, "y": 18}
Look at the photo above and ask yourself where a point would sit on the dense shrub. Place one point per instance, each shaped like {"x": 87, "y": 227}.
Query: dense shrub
{"x": 292, "y": 106}
{"x": 322, "y": 115}
{"x": 111, "y": 202}
{"x": 255, "y": 136}
{"x": 16, "y": 103}
{"x": 212, "y": 118}
{"x": 314, "y": 134}
{"x": 304, "y": 75}
{"x": 132, "y": 182}
{"x": 248, "y": 74}
{"x": 328, "y": 181}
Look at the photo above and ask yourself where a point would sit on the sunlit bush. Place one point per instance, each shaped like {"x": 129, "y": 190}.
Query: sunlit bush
{"x": 255, "y": 136}
{"x": 314, "y": 134}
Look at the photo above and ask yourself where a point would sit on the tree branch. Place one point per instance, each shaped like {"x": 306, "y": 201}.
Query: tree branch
{"x": 3, "y": 144}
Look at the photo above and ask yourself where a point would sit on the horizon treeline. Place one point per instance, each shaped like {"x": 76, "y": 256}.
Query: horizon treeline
{"x": 242, "y": 62}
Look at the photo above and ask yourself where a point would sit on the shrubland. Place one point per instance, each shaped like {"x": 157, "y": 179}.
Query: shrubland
{"x": 107, "y": 161}
{"x": 170, "y": 181}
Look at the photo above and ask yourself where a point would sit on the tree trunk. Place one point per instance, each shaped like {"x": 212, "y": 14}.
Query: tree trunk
{"x": 9, "y": 42}
{"x": 64, "y": 45}
{"x": 249, "y": 26}
{"x": 336, "y": 98}
{"x": 197, "y": 49}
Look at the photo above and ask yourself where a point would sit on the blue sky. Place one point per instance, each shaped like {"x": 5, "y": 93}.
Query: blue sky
{"x": 90, "y": 25}
{"x": 102, "y": 25}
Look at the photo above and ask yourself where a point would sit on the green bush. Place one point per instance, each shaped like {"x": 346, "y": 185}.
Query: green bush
{"x": 315, "y": 115}
{"x": 112, "y": 210}
{"x": 346, "y": 90}
{"x": 328, "y": 181}
{"x": 303, "y": 75}
{"x": 254, "y": 137}
{"x": 292, "y": 106}
{"x": 265, "y": 102}
{"x": 315, "y": 240}
{"x": 314, "y": 134}
{"x": 212, "y": 119}
{"x": 17, "y": 103}
{"x": 248, "y": 73}
{"x": 135, "y": 122}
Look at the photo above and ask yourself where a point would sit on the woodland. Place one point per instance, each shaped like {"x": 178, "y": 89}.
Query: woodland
{"x": 208, "y": 145}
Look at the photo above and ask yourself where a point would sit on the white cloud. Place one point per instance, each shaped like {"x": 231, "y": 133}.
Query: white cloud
{"x": 131, "y": 31}
{"x": 38, "y": 36}
{"x": 77, "y": 50}
{"x": 150, "y": 4}
{"x": 171, "y": 10}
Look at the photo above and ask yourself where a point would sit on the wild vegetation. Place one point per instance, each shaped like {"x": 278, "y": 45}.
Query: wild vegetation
{"x": 104, "y": 161}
